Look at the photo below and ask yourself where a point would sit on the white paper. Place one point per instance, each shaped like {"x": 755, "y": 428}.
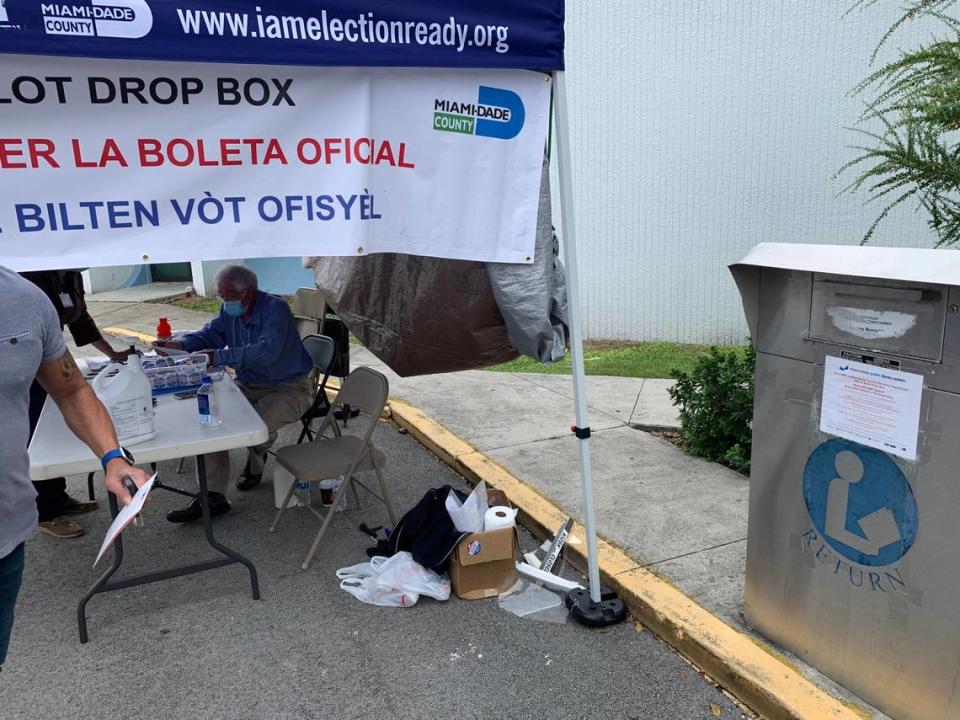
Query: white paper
{"x": 125, "y": 516}
{"x": 872, "y": 405}
{"x": 468, "y": 517}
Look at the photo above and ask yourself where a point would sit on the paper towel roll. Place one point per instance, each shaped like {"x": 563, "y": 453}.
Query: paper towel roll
{"x": 499, "y": 516}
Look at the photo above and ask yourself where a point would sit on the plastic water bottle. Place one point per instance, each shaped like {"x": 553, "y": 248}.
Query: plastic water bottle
{"x": 207, "y": 402}
{"x": 303, "y": 491}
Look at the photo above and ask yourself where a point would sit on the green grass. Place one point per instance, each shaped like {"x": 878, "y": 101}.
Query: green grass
{"x": 204, "y": 304}
{"x": 648, "y": 360}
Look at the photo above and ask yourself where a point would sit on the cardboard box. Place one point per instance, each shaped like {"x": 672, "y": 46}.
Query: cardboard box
{"x": 484, "y": 563}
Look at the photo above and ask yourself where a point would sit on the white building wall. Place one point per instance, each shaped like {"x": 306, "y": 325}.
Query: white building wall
{"x": 701, "y": 128}
{"x": 102, "y": 279}
{"x": 205, "y": 272}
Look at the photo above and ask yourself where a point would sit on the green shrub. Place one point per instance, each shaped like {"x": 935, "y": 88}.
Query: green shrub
{"x": 715, "y": 399}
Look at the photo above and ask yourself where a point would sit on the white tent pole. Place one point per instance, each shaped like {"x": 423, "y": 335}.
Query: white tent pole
{"x": 569, "y": 238}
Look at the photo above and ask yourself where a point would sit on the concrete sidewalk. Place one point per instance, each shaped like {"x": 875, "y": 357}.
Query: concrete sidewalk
{"x": 672, "y": 512}
{"x": 147, "y": 293}
{"x": 679, "y": 516}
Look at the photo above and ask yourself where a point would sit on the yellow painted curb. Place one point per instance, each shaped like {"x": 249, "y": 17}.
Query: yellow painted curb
{"x": 757, "y": 675}
{"x": 142, "y": 337}
{"x": 429, "y": 433}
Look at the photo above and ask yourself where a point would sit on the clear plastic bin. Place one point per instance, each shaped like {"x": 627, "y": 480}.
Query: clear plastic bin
{"x": 162, "y": 378}
{"x": 191, "y": 368}
{"x": 152, "y": 363}
{"x": 191, "y": 359}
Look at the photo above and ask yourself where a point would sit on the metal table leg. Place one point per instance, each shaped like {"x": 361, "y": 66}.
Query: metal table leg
{"x": 208, "y": 529}
{"x": 100, "y": 585}
{"x": 104, "y": 584}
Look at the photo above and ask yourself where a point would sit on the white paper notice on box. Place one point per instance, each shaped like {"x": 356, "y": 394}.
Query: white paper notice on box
{"x": 872, "y": 405}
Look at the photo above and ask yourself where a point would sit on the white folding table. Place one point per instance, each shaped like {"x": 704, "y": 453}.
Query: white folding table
{"x": 55, "y": 452}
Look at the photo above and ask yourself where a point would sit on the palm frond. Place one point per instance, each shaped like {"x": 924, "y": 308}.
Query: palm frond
{"x": 914, "y": 154}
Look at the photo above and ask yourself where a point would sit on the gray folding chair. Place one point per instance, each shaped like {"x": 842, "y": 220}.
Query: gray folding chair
{"x": 321, "y": 350}
{"x": 341, "y": 457}
{"x": 309, "y": 308}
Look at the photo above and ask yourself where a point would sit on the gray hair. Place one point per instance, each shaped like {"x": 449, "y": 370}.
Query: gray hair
{"x": 240, "y": 276}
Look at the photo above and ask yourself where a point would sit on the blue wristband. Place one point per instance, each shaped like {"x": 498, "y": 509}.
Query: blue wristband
{"x": 113, "y": 455}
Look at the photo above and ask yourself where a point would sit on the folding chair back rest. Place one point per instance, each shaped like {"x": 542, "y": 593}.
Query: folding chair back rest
{"x": 308, "y": 309}
{"x": 365, "y": 389}
{"x": 308, "y": 302}
{"x": 321, "y": 350}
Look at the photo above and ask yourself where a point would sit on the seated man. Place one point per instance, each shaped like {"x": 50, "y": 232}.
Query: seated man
{"x": 254, "y": 333}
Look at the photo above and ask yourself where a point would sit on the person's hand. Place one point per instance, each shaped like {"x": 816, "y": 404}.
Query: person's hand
{"x": 116, "y": 469}
{"x": 121, "y": 355}
{"x": 210, "y": 355}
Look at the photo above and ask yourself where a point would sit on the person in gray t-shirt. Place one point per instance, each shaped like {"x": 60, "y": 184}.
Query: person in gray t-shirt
{"x": 31, "y": 346}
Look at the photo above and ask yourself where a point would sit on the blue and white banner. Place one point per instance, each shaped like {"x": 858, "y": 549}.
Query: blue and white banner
{"x": 109, "y": 163}
{"x": 525, "y": 34}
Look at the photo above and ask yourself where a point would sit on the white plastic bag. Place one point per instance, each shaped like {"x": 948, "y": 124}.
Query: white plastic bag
{"x": 397, "y": 581}
{"x": 468, "y": 517}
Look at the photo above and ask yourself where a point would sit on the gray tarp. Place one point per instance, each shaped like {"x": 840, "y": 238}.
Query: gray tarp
{"x": 426, "y": 315}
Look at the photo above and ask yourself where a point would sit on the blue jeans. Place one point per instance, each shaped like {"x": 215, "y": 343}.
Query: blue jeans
{"x": 11, "y": 572}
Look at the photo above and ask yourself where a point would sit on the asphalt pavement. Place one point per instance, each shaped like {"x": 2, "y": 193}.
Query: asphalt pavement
{"x": 199, "y": 646}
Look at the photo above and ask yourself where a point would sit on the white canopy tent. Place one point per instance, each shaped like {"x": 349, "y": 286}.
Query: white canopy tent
{"x": 113, "y": 157}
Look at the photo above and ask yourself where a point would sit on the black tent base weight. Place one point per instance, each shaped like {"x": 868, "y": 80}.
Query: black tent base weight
{"x": 609, "y": 611}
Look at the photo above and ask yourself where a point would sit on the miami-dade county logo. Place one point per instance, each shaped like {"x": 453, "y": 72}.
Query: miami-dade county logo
{"x": 98, "y": 18}
{"x": 5, "y": 17}
{"x": 498, "y": 113}
{"x": 862, "y": 507}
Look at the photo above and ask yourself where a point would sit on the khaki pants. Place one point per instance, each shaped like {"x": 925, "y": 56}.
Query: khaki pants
{"x": 279, "y": 404}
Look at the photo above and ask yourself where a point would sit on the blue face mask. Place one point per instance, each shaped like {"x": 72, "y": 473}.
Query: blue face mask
{"x": 233, "y": 308}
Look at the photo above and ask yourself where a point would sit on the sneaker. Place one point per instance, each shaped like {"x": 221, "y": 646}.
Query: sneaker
{"x": 61, "y": 527}
{"x": 78, "y": 507}
{"x": 218, "y": 506}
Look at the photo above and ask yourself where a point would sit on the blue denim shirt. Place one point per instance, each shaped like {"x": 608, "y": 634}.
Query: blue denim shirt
{"x": 264, "y": 349}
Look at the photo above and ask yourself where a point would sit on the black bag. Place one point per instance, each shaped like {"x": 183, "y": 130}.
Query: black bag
{"x": 336, "y": 330}
{"x": 426, "y": 531}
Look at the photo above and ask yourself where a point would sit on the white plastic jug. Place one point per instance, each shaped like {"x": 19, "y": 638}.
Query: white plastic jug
{"x": 128, "y": 397}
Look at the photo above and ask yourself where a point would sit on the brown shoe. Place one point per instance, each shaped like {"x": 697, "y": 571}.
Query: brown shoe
{"x": 218, "y": 506}
{"x": 78, "y": 507}
{"x": 62, "y": 527}
{"x": 248, "y": 481}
